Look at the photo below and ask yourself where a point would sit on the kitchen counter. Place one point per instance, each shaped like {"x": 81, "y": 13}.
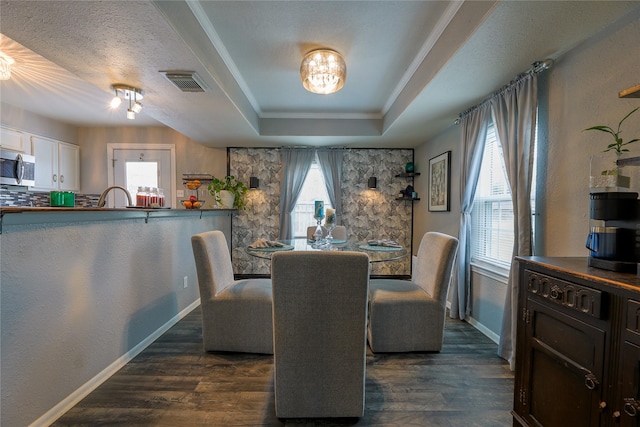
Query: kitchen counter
{"x": 18, "y": 215}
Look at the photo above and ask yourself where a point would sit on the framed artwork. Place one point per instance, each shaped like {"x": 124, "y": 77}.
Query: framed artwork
{"x": 440, "y": 182}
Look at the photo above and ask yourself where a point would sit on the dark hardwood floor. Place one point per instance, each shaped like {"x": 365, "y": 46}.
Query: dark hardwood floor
{"x": 174, "y": 383}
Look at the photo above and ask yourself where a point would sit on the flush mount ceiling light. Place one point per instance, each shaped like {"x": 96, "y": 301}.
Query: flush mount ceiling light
{"x": 323, "y": 71}
{"x": 5, "y": 66}
{"x": 130, "y": 93}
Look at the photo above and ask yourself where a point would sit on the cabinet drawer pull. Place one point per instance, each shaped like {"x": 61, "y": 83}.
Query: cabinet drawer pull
{"x": 61, "y": 178}
{"x": 556, "y": 292}
{"x": 590, "y": 381}
{"x": 630, "y": 406}
{"x": 55, "y": 177}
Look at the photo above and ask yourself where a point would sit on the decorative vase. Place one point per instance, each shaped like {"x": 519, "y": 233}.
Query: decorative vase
{"x": 226, "y": 199}
{"x": 606, "y": 174}
{"x": 408, "y": 168}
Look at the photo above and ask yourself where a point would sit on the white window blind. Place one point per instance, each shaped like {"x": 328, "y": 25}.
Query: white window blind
{"x": 492, "y": 231}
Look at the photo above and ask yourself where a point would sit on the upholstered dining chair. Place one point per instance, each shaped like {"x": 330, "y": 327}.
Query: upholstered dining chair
{"x": 236, "y": 314}
{"x": 409, "y": 315}
{"x": 319, "y": 319}
{"x": 339, "y": 232}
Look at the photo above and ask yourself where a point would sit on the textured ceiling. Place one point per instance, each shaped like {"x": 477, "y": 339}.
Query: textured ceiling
{"x": 412, "y": 66}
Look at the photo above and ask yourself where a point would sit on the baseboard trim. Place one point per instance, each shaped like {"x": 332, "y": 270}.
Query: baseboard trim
{"x": 70, "y": 401}
{"x": 486, "y": 331}
{"x": 479, "y": 326}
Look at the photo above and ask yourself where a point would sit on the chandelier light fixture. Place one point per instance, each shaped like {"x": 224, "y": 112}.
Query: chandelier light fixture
{"x": 5, "y": 66}
{"x": 131, "y": 94}
{"x": 323, "y": 71}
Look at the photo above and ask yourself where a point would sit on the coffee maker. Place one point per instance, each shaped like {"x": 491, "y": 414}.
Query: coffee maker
{"x": 614, "y": 234}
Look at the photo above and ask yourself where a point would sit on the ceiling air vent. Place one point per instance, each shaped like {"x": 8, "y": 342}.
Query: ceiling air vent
{"x": 186, "y": 81}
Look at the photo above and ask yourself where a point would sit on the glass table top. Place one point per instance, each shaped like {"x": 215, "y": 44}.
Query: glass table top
{"x": 376, "y": 253}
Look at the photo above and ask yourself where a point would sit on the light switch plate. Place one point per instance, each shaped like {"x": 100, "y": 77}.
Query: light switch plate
{"x": 180, "y": 193}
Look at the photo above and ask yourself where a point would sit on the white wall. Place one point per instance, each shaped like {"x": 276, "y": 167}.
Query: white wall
{"x": 78, "y": 296}
{"x": 579, "y": 91}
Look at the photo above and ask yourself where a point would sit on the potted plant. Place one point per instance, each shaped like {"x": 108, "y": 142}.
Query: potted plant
{"x": 228, "y": 192}
{"x": 612, "y": 177}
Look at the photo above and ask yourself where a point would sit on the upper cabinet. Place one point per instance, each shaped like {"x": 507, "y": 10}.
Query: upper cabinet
{"x": 13, "y": 140}
{"x": 57, "y": 164}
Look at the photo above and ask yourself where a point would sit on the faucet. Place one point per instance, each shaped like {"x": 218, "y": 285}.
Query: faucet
{"x": 102, "y": 200}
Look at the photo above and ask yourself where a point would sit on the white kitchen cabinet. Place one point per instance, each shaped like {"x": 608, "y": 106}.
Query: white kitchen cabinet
{"x": 57, "y": 165}
{"x": 13, "y": 140}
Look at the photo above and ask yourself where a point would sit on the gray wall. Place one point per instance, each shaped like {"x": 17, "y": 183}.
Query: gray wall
{"x": 581, "y": 90}
{"x": 191, "y": 157}
{"x": 78, "y": 296}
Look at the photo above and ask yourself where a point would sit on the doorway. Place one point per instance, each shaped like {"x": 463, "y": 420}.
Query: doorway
{"x": 146, "y": 165}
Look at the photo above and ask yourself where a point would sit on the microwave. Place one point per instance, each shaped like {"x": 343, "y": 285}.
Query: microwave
{"x": 17, "y": 168}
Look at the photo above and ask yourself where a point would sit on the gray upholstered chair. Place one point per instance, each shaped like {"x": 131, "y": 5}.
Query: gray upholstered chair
{"x": 319, "y": 320}
{"x": 409, "y": 315}
{"x": 236, "y": 314}
{"x": 339, "y": 232}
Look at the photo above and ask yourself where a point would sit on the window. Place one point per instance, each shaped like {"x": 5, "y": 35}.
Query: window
{"x": 492, "y": 232}
{"x": 492, "y": 214}
{"x": 313, "y": 189}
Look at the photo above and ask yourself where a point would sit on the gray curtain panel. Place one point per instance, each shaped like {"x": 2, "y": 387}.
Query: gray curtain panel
{"x": 474, "y": 134}
{"x": 514, "y": 113}
{"x": 296, "y": 163}
{"x": 330, "y": 160}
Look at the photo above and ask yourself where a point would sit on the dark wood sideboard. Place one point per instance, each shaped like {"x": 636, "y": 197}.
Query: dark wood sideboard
{"x": 578, "y": 345}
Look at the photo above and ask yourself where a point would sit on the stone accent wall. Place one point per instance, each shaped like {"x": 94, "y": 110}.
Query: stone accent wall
{"x": 367, "y": 213}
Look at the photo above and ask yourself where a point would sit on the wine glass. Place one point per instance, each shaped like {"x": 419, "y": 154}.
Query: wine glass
{"x": 329, "y": 227}
{"x": 330, "y": 224}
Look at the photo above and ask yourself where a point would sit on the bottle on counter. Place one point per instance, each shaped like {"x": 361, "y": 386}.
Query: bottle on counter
{"x": 142, "y": 197}
{"x": 161, "y": 197}
{"x": 153, "y": 198}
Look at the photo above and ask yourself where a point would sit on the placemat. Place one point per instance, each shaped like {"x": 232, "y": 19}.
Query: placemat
{"x": 380, "y": 248}
{"x": 273, "y": 248}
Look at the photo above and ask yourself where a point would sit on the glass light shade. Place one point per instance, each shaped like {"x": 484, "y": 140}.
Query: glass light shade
{"x": 131, "y": 114}
{"x": 115, "y": 102}
{"x": 137, "y": 107}
{"x": 323, "y": 71}
{"x": 5, "y": 66}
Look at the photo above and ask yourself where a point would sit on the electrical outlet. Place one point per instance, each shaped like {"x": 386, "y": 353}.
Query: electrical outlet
{"x": 185, "y": 281}
{"x": 180, "y": 193}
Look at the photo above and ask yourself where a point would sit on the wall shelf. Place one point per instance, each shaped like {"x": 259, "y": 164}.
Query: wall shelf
{"x": 408, "y": 199}
{"x": 632, "y": 92}
{"x": 407, "y": 174}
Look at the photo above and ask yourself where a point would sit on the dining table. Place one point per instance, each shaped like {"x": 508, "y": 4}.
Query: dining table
{"x": 377, "y": 253}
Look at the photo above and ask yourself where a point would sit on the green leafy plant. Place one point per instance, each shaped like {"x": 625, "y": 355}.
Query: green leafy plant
{"x": 231, "y": 184}
{"x": 618, "y": 145}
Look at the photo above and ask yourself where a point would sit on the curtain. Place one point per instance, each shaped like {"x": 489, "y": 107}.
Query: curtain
{"x": 474, "y": 133}
{"x": 514, "y": 112}
{"x": 296, "y": 164}
{"x": 330, "y": 160}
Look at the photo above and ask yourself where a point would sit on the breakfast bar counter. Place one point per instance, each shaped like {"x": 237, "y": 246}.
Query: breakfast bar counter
{"x": 84, "y": 290}
{"x": 41, "y": 215}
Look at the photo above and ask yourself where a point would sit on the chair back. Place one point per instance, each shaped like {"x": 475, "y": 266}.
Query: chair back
{"x": 434, "y": 265}
{"x": 319, "y": 321}
{"x": 213, "y": 262}
{"x": 339, "y": 232}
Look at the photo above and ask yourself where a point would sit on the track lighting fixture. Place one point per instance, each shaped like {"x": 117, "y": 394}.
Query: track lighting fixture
{"x": 130, "y": 93}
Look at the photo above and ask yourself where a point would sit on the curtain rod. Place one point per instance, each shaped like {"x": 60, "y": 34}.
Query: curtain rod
{"x": 536, "y": 67}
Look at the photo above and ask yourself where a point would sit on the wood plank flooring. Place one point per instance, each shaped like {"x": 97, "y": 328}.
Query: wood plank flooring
{"x": 174, "y": 383}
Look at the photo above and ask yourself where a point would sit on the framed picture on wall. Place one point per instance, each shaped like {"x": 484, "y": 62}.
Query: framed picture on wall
{"x": 440, "y": 182}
